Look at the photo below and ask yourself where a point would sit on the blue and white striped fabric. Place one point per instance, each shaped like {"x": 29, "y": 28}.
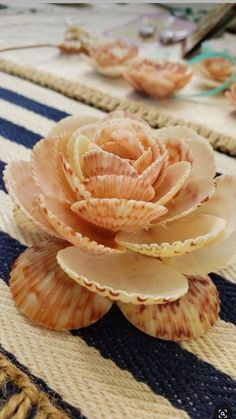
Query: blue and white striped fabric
{"x": 110, "y": 369}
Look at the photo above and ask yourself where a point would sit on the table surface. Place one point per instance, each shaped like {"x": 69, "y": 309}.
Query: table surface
{"x": 47, "y": 23}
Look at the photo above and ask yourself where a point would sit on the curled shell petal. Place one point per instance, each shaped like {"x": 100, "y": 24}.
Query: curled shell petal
{"x": 124, "y": 187}
{"x": 150, "y": 175}
{"x": 190, "y": 197}
{"x": 185, "y": 235}
{"x": 24, "y": 192}
{"x": 46, "y": 295}
{"x": 187, "y": 318}
{"x": 74, "y": 229}
{"x": 143, "y": 161}
{"x": 118, "y": 214}
{"x": 73, "y": 180}
{"x": 175, "y": 177}
{"x": 102, "y": 163}
{"x": 128, "y": 277}
{"x": 73, "y": 123}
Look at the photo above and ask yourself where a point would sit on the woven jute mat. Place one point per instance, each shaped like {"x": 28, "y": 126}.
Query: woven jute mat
{"x": 109, "y": 370}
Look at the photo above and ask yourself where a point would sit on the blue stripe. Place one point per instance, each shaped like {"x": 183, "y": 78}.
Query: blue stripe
{"x": 9, "y": 250}
{"x": 170, "y": 371}
{"x": 30, "y": 104}
{"x": 2, "y": 167}
{"x": 18, "y": 134}
{"x": 10, "y": 389}
{"x": 227, "y": 291}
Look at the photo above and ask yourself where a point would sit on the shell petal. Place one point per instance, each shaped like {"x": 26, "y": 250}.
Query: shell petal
{"x": 24, "y": 192}
{"x": 46, "y": 295}
{"x": 102, "y": 163}
{"x": 28, "y": 227}
{"x": 150, "y": 175}
{"x": 143, "y": 161}
{"x": 80, "y": 148}
{"x": 190, "y": 197}
{"x": 45, "y": 169}
{"x": 129, "y": 277}
{"x": 72, "y": 123}
{"x": 187, "y": 318}
{"x": 123, "y": 187}
{"x": 61, "y": 147}
{"x": 118, "y": 214}
{"x": 203, "y": 164}
{"x": 186, "y": 235}
{"x": 175, "y": 177}
{"x": 223, "y": 202}
{"x": 74, "y": 229}
{"x": 209, "y": 259}
{"x": 73, "y": 180}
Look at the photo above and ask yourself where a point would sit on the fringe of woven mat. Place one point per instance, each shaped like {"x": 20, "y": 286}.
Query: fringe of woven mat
{"x": 107, "y": 103}
{"x": 27, "y": 397}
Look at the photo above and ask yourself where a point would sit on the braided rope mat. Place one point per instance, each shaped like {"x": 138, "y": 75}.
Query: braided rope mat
{"x": 107, "y": 103}
{"x": 109, "y": 370}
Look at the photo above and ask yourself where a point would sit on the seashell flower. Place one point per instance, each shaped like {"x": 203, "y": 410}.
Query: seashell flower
{"x": 158, "y": 79}
{"x": 231, "y": 94}
{"x": 111, "y": 58}
{"x": 131, "y": 215}
{"x": 214, "y": 71}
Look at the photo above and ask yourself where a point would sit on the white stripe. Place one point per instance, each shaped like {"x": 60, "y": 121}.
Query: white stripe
{"x": 10, "y": 150}
{"x": 45, "y": 96}
{"x": 25, "y": 118}
{"x": 78, "y": 372}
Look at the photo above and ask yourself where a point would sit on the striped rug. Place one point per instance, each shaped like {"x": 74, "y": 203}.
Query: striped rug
{"x": 109, "y": 370}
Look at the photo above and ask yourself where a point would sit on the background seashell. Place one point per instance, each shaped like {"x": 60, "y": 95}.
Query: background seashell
{"x": 187, "y": 318}
{"x": 185, "y": 235}
{"x": 118, "y": 214}
{"x": 122, "y": 187}
{"x": 128, "y": 277}
{"x": 46, "y": 295}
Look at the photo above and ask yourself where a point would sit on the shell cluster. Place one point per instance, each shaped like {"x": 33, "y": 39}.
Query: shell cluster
{"x": 214, "y": 71}
{"x": 132, "y": 215}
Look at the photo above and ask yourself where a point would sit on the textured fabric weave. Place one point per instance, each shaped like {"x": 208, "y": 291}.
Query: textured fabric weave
{"x": 110, "y": 369}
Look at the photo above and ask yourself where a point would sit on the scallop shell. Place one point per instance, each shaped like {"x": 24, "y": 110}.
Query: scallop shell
{"x": 143, "y": 162}
{"x": 29, "y": 230}
{"x": 202, "y": 154}
{"x": 118, "y": 214}
{"x": 74, "y": 229}
{"x": 24, "y": 192}
{"x": 177, "y": 150}
{"x": 123, "y": 187}
{"x": 81, "y": 145}
{"x": 45, "y": 171}
{"x": 175, "y": 178}
{"x": 187, "y": 318}
{"x": 223, "y": 202}
{"x": 73, "y": 123}
{"x": 150, "y": 175}
{"x": 46, "y": 295}
{"x": 187, "y": 235}
{"x": 114, "y": 71}
{"x": 128, "y": 277}
{"x": 190, "y": 197}
{"x": 61, "y": 147}
{"x": 74, "y": 182}
{"x": 102, "y": 163}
